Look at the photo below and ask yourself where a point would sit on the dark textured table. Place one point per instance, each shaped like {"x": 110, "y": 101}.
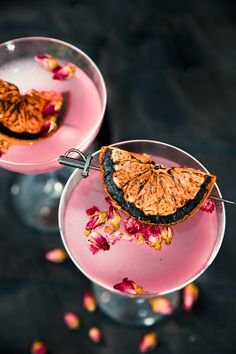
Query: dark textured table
{"x": 170, "y": 71}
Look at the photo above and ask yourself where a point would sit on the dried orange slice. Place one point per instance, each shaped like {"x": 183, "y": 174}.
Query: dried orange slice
{"x": 150, "y": 192}
{"x": 23, "y": 117}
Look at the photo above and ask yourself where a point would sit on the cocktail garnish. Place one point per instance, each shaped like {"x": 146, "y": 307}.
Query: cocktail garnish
{"x": 129, "y": 287}
{"x": 162, "y": 305}
{"x": 95, "y": 334}
{"x": 89, "y": 301}
{"x": 190, "y": 296}
{"x": 65, "y": 72}
{"x": 92, "y": 210}
{"x": 150, "y": 192}
{"x": 114, "y": 218}
{"x": 50, "y": 63}
{"x": 47, "y": 61}
{"x": 29, "y": 117}
{"x": 97, "y": 242}
{"x": 148, "y": 342}
{"x": 96, "y": 220}
{"x": 72, "y": 320}
{"x": 208, "y": 206}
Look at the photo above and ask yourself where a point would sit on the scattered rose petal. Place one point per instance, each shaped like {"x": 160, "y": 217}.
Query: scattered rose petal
{"x": 208, "y": 206}
{"x": 108, "y": 200}
{"x": 95, "y": 334}
{"x": 97, "y": 220}
{"x": 57, "y": 255}
{"x": 65, "y": 72}
{"x": 114, "y": 218}
{"x": 113, "y": 237}
{"x": 167, "y": 234}
{"x": 47, "y": 61}
{"x": 52, "y": 108}
{"x": 38, "y": 347}
{"x": 148, "y": 342}
{"x": 129, "y": 286}
{"x": 4, "y": 146}
{"x": 72, "y": 320}
{"x": 47, "y": 128}
{"x": 152, "y": 236}
{"x": 89, "y": 301}
{"x": 91, "y": 211}
{"x": 97, "y": 242}
{"x": 108, "y": 229}
{"x": 190, "y": 296}
{"x": 133, "y": 226}
{"x": 161, "y": 305}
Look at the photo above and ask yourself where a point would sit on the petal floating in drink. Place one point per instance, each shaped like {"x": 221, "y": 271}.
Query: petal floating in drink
{"x": 91, "y": 211}
{"x": 190, "y": 296}
{"x": 148, "y": 342}
{"x": 161, "y": 305}
{"x": 72, "y": 320}
{"x": 65, "y": 72}
{"x": 167, "y": 234}
{"x": 52, "y": 108}
{"x": 114, "y": 218}
{"x": 133, "y": 226}
{"x": 95, "y": 334}
{"x": 97, "y": 220}
{"x": 208, "y": 206}
{"x": 57, "y": 255}
{"x": 89, "y": 301}
{"x": 4, "y": 146}
{"x": 47, "y": 61}
{"x": 38, "y": 347}
{"x": 97, "y": 242}
{"x": 152, "y": 236}
{"x": 129, "y": 286}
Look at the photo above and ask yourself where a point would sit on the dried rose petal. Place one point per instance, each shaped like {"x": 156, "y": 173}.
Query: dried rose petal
{"x": 161, "y": 305}
{"x": 57, "y": 255}
{"x": 72, "y": 320}
{"x": 114, "y": 218}
{"x": 113, "y": 237}
{"x": 46, "y": 128}
{"x": 38, "y": 347}
{"x": 47, "y": 61}
{"x": 91, "y": 211}
{"x": 95, "y": 334}
{"x": 133, "y": 226}
{"x": 52, "y": 108}
{"x": 148, "y": 342}
{"x": 208, "y": 206}
{"x": 89, "y": 301}
{"x": 129, "y": 286}
{"x": 108, "y": 200}
{"x": 4, "y": 146}
{"x": 65, "y": 72}
{"x": 152, "y": 236}
{"x": 167, "y": 234}
{"x": 97, "y": 242}
{"x": 190, "y": 296}
{"x": 151, "y": 230}
{"x": 97, "y": 220}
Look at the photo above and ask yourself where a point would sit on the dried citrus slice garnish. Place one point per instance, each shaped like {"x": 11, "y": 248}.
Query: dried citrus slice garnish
{"x": 27, "y": 117}
{"x": 150, "y": 192}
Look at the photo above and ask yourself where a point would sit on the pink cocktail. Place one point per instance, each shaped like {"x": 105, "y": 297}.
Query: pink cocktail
{"x": 195, "y": 243}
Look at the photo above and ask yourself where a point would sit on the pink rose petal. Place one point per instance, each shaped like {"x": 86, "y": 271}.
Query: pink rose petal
{"x": 57, "y": 255}
{"x": 97, "y": 241}
{"x": 148, "y": 342}
{"x": 114, "y": 218}
{"x": 208, "y": 206}
{"x": 133, "y": 226}
{"x": 52, "y": 108}
{"x": 113, "y": 237}
{"x": 190, "y": 296}
{"x": 47, "y": 61}
{"x": 65, "y": 72}
{"x": 38, "y": 347}
{"x": 91, "y": 211}
{"x": 95, "y": 334}
{"x": 89, "y": 301}
{"x": 97, "y": 220}
{"x": 72, "y": 320}
{"x": 161, "y": 305}
{"x": 129, "y": 286}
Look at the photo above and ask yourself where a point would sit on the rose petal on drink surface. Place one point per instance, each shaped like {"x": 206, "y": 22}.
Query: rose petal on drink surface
{"x": 91, "y": 211}
{"x": 108, "y": 200}
{"x": 167, "y": 234}
{"x": 97, "y": 241}
{"x": 48, "y": 127}
{"x": 113, "y": 237}
{"x": 65, "y": 72}
{"x": 152, "y": 236}
{"x": 72, "y": 320}
{"x": 114, "y": 218}
{"x": 148, "y": 342}
{"x": 52, "y": 108}
{"x": 151, "y": 230}
{"x": 161, "y": 305}
{"x": 89, "y": 301}
{"x": 129, "y": 286}
{"x": 95, "y": 334}
{"x": 133, "y": 226}
{"x": 190, "y": 296}
{"x": 38, "y": 347}
{"x": 47, "y": 61}
{"x": 57, "y": 255}
{"x": 4, "y": 146}
{"x": 93, "y": 249}
{"x": 97, "y": 220}
{"x": 208, "y": 206}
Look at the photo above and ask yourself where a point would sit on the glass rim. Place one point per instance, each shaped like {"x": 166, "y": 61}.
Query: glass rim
{"x": 86, "y": 141}
{"x": 143, "y": 295}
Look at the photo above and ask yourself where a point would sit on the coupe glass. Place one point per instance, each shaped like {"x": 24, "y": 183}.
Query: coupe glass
{"x": 163, "y": 273}
{"x": 37, "y": 189}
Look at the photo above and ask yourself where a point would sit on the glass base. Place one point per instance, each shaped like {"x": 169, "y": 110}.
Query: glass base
{"x": 131, "y": 311}
{"x": 36, "y": 198}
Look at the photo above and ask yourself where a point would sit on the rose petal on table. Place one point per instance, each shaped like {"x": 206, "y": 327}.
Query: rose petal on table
{"x": 129, "y": 286}
{"x": 89, "y": 301}
{"x": 190, "y": 296}
{"x": 57, "y": 255}
{"x": 47, "y": 61}
{"x": 95, "y": 334}
{"x": 65, "y": 72}
{"x": 97, "y": 241}
{"x": 132, "y": 226}
{"x": 114, "y": 218}
{"x": 72, "y": 320}
{"x": 38, "y": 347}
{"x": 97, "y": 220}
{"x": 167, "y": 234}
{"x": 208, "y": 206}
{"x": 148, "y": 342}
{"x": 161, "y": 305}
{"x": 91, "y": 211}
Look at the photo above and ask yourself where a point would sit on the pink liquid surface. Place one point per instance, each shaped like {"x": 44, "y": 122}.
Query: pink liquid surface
{"x": 80, "y": 124}
{"x": 156, "y": 271}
